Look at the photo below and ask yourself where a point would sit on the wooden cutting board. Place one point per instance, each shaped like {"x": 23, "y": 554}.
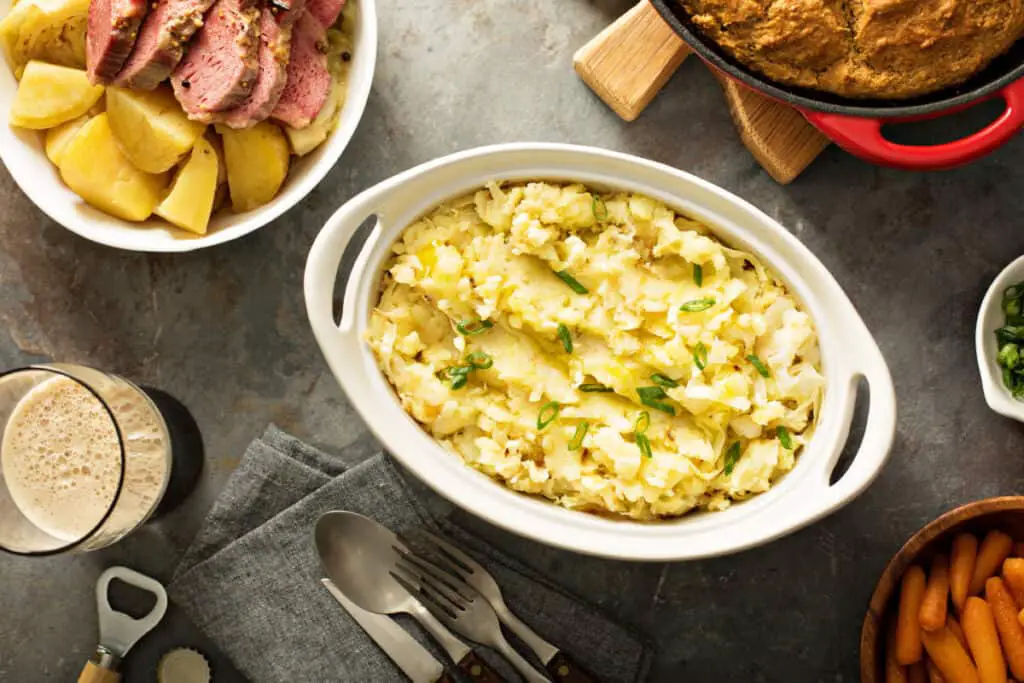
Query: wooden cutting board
{"x": 629, "y": 62}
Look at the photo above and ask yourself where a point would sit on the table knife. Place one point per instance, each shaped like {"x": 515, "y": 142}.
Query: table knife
{"x": 412, "y": 658}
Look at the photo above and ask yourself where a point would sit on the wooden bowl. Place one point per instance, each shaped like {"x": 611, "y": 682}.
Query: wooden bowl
{"x": 1005, "y": 513}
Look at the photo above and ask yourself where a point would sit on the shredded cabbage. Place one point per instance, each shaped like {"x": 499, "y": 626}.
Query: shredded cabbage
{"x": 493, "y": 255}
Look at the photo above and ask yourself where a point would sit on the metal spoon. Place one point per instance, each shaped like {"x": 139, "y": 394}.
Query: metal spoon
{"x": 357, "y": 554}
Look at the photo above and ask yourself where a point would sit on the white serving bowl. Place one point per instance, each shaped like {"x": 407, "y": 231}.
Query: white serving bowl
{"x": 799, "y": 498}
{"x": 990, "y": 319}
{"x": 22, "y": 153}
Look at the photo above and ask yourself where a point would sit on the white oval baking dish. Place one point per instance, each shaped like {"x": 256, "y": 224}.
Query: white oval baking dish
{"x": 801, "y": 497}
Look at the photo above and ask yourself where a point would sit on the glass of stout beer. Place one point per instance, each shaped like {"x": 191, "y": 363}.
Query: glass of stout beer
{"x": 86, "y": 457}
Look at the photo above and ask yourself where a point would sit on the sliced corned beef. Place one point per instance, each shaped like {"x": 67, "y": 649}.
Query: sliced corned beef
{"x": 220, "y": 66}
{"x": 309, "y": 81}
{"x": 112, "y": 29}
{"x": 161, "y": 44}
{"x": 326, "y": 11}
{"x": 275, "y": 51}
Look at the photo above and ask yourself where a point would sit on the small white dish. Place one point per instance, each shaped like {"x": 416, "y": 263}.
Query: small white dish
{"x": 990, "y": 319}
{"x": 21, "y": 151}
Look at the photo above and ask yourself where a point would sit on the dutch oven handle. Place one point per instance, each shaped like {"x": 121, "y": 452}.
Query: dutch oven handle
{"x": 863, "y": 137}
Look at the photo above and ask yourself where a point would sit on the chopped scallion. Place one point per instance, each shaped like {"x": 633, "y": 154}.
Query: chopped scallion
{"x": 644, "y": 444}
{"x": 732, "y": 456}
{"x": 548, "y": 413}
{"x": 650, "y": 396}
{"x": 578, "y": 435}
{"x": 471, "y": 327}
{"x": 480, "y": 360}
{"x": 698, "y": 275}
{"x": 664, "y": 380}
{"x": 697, "y": 305}
{"x": 700, "y": 356}
{"x": 643, "y": 421}
{"x": 761, "y": 368}
{"x": 594, "y": 388}
{"x": 573, "y": 283}
{"x": 600, "y": 209}
{"x": 784, "y": 437}
{"x": 563, "y": 334}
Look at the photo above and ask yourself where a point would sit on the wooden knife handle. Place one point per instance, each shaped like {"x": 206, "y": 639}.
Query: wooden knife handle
{"x": 564, "y": 670}
{"x": 98, "y": 674}
{"x": 478, "y": 671}
{"x": 629, "y": 62}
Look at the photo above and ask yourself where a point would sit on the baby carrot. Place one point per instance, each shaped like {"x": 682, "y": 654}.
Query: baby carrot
{"x": 961, "y": 567}
{"x": 954, "y": 626}
{"x": 932, "y": 615}
{"x": 995, "y": 548}
{"x": 933, "y": 672}
{"x": 916, "y": 673}
{"x": 949, "y": 656}
{"x": 1011, "y": 635}
{"x": 908, "y": 630}
{"x": 983, "y": 639}
{"x": 1013, "y": 575}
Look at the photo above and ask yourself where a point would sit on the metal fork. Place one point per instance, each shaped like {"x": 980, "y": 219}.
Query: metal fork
{"x": 462, "y": 611}
{"x": 463, "y": 567}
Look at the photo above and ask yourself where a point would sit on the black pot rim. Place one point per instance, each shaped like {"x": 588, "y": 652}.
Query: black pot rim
{"x": 1001, "y": 73}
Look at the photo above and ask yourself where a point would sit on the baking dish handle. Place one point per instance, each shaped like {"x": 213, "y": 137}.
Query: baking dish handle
{"x": 862, "y": 359}
{"x": 863, "y": 137}
{"x": 322, "y": 267}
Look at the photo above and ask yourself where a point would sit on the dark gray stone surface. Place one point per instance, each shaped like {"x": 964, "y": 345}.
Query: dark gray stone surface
{"x": 225, "y": 331}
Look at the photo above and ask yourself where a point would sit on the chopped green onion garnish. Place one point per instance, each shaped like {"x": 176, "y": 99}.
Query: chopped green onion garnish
{"x": 643, "y": 421}
{"x": 700, "y": 356}
{"x": 577, "y": 437}
{"x": 664, "y": 380}
{"x": 600, "y": 209}
{"x": 644, "y": 444}
{"x": 593, "y": 388}
{"x": 731, "y": 457}
{"x": 547, "y": 414}
{"x": 573, "y": 283}
{"x": 458, "y": 374}
{"x": 759, "y": 366}
{"x": 784, "y": 438}
{"x": 649, "y": 397}
{"x": 480, "y": 360}
{"x": 697, "y": 305}
{"x": 563, "y": 334}
{"x": 698, "y": 275}
{"x": 1010, "y": 338}
{"x": 471, "y": 327}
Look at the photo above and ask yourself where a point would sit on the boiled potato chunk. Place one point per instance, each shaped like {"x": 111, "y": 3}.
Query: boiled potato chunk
{"x": 94, "y": 167}
{"x": 257, "y": 160}
{"x": 50, "y": 95}
{"x": 151, "y": 128}
{"x": 57, "y": 139}
{"x": 305, "y": 140}
{"x": 190, "y": 202}
{"x": 51, "y": 31}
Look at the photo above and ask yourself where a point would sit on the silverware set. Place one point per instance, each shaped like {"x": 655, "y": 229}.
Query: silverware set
{"x": 372, "y": 573}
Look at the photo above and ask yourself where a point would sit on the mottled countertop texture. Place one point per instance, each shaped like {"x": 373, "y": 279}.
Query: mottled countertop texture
{"x": 225, "y": 330}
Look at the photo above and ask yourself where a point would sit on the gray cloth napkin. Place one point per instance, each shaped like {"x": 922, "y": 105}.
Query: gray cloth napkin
{"x": 251, "y": 579}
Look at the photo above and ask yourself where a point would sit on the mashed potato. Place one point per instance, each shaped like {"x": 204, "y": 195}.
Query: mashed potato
{"x": 599, "y": 350}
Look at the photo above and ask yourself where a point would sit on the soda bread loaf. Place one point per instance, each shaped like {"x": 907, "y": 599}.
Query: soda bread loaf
{"x": 888, "y": 49}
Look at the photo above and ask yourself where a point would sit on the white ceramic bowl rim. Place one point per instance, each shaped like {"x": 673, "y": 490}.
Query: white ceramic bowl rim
{"x": 22, "y": 153}
{"x": 990, "y": 319}
{"x": 801, "y": 497}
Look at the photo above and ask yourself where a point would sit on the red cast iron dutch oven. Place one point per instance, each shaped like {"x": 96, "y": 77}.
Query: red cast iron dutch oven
{"x": 856, "y": 124}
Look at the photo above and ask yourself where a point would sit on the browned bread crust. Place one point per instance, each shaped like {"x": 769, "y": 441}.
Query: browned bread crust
{"x": 889, "y": 49}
